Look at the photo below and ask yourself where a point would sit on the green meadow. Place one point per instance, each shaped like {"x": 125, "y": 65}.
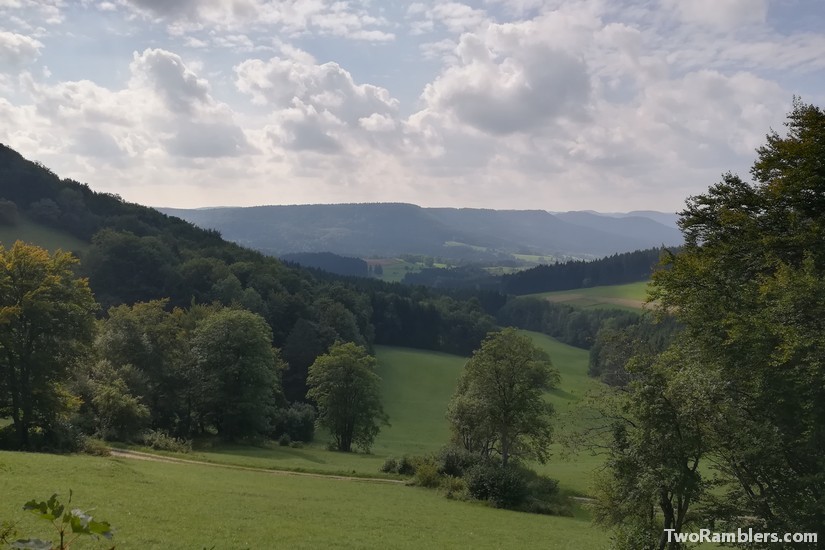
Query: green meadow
{"x": 629, "y": 296}
{"x": 34, "y": 233}
{"x": 170, "y": 506}
{"x": 164, "y": 505}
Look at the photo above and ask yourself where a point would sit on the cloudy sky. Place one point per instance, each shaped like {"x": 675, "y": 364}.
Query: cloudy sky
{"x": 610, "y": 105}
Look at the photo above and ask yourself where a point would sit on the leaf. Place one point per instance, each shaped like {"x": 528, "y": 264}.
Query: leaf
{"x": 84, "y": 524}
{"x": 32, "y": 544}
{"x": 48, "y": 510}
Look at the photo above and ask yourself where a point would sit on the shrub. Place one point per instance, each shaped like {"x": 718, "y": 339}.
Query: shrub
{"x": 296, "y": 444}
{"x": 284, "y": 440}
{"x": 502, "y": 487}
{"x": 162, "y": 441}
{"x": 454, "y": 487}
{"x": 454, "y": 461}
{"x": 404, "y": 466}
{"x": 94, "y": 446}
{"x": 298, "y": 421}
{"x": 426, "y": 473}
{"x": 390, "y": 465}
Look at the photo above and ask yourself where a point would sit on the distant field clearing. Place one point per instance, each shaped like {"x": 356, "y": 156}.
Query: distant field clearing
{"x": 627, "y": 296}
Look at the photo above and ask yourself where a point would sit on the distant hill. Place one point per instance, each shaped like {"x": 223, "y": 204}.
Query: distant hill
{"x": 391, "y": 229}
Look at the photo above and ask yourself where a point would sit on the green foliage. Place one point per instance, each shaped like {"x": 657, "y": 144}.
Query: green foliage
{"x": 454, "y": 461}
{"x": 120, "y": 415}
{"x": 95, "y": 447}
{"x": 284, "y": 440}
{"x": 454, "y": 487}
{"x": 162, "y": 441}
{"x": 503, "y": 487}
{"x": 498, "y": 406}
{"x": 741, "y": 388}
{"x": 297, "y": 422}
{"x": 404, "y": 466}
{"x": 241, "y": 372}
{"x": 46, "y": 322}
{"x": 426, "y": 473}
{"x": 70, "y": 524}
{"x": 571, "y": 325}
{"x": 346, "y": 390}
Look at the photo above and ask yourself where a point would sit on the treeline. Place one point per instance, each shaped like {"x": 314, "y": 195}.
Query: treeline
{"x": 574, "y": 326}
{"x": 333, "y": 263}
{"x": 628, "y": 267}
{"x": 617, "y": 269}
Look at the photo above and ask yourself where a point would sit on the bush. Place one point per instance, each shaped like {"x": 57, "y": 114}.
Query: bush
{"x": 296, "y": 444}
{"x": 390, "y": 465}
{"x": 284, "y": 440}
{"x": 298, "y": 421}
{"x": 94, "y": 446}
{"x": 404, "y": 466}
{"x": 502, "y": 487}
{"x": 426, "y": 473}
{"x": 162, "y": 441}
{"x": 454, "y": 461}
{"x": 454, "y": 487}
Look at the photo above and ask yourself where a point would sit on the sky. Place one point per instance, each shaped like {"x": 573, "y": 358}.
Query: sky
{"x": 609, "y": 105}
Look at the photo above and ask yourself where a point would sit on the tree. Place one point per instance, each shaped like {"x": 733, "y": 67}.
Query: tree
{"x": 659, "y": 436}
{"x": 345, "y": 387}
{"x": 499, "y": 405}
{"x": 241, "y": 372}
{"x": 749, "y": 290}
{"x": 46, "y": 323}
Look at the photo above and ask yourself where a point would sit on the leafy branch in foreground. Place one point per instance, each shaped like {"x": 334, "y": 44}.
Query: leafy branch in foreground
{"x": 69, "y": 524}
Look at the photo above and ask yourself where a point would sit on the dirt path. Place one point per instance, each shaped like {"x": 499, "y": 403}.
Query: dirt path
{"x": 137, "y": 455}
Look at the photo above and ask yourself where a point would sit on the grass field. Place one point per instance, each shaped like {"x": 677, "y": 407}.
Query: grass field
{"x": 35, "y": 233}
{"x": 170, "y": 506}
{"x": 416, "y": 386}
{"x": 628, "y": 296}
{"x": 226, "y": 508}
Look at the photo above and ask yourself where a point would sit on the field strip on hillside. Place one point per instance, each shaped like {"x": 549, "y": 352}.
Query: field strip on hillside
{"x": 137, "y": 455}
{"x": 627, "y": 302}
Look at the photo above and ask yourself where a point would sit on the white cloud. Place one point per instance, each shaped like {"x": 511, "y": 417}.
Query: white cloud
{"x": 455, "y": 17}
{"x": 17, "y": 50}
{"x": 510, "y": 80}
{"x": 293, "y": 17}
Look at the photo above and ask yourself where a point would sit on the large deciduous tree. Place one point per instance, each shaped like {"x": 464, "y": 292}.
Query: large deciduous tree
{"x": 499, "y": 405}
{"x": 241, "y": 371}
{"x": 344, "y": 385}
{"x": 46, "y": 323}
{"x": 749, "y": 290}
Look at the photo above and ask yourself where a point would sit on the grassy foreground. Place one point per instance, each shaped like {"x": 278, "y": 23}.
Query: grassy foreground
{"x": 169, "y": 506}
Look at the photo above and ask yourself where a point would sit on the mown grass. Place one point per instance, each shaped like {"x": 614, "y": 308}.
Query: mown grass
{"x": 40, "y": 235}
{"x": 629, "y": 296}
{"x": 171, "y": 506}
